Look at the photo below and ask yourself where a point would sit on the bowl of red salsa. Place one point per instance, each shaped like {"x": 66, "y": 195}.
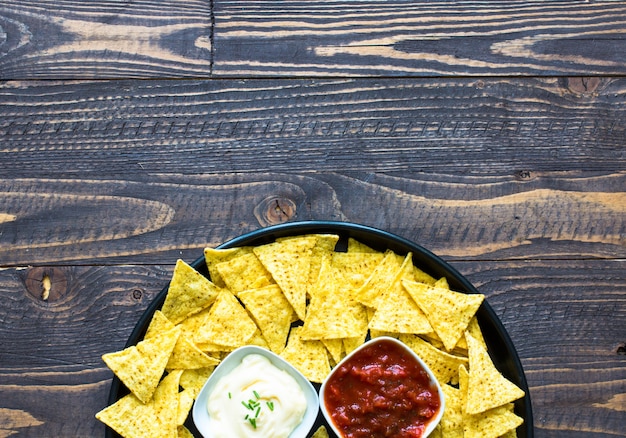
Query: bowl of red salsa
{"x": 382, "y": 389}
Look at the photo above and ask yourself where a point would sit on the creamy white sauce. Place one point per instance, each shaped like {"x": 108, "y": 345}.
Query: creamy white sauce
{"x": 272, "y": 392}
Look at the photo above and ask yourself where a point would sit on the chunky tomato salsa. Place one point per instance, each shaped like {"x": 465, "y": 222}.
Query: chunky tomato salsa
{"x": 381, "y": 391}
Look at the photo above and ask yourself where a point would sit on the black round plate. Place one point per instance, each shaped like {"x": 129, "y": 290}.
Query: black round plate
{"x": 499, "y": 343}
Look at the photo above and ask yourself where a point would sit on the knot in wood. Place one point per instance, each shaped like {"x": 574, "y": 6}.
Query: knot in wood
{"x": 583, "y": 86}
{"x": 275, "y": 210}
{"x": 46, "y": 284}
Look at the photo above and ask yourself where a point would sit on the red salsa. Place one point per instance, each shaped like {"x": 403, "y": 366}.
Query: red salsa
{"x": 381, "y": 391}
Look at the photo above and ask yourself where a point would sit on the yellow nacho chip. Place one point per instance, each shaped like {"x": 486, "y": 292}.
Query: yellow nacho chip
{"x": 381, "y": 279}
{"x": 324, "y": 247}
{"x": 321, "y": 432}
{"x": 422, "y": 277}
{"x": 213, "y": 256}
{"x": 186, "y": 397}
{"x": 352, "y": 270}
{"x": 289, "y": 262}
{"x": 183, "y": 432}
{"x": 131, "y": 418}
{"x": 194, "y": 379}
{"x": 475, "y": 331}
{"x": 272, "y": 313}
{"x": 355, "y": 246}
{"x": 309, "y": 357}
{"x": 335, "y": 349}
{"x": 448, "y": 312}
{"x": 492, "y": 423}
{"x": 227, "y": 323}
{"x": 452, "y": 420}
{"x": 141, "y": 366}
{"x": 166, "y": 401}
{"x": 351, "y": 344}
{"x": 444, "y": 366}
{"x": 244, "y": 272}
{"x": 330, "y": 315}
{"x": 158, "y": 324}
{"x": 487, "y": 387}
{"x": 396, "y": 311}
{"x": 186, "y": 356}
{"x": 189, "y": 292}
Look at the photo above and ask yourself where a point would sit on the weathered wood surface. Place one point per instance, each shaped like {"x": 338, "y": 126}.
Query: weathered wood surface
{"x": 465, "y": 126}
{"x": 72, "y": 39}
{"x": 492, "y": 133}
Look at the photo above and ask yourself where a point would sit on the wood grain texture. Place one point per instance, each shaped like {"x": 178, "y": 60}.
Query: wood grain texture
{"x": 465, "y": 126}
{"x": 406, "y": 38}
{"x": 74, "y": 39}
{"x": 156, "y": 219}
{"x": 53, "y": 384}
{"x": 71, "y": 39}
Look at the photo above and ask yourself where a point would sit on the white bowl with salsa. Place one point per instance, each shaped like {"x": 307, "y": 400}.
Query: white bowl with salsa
{"x": 382, "y": 389}
{"x": 255, "y": 393}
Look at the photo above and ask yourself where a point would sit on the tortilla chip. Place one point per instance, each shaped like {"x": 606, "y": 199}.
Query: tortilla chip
{"x": 356, "y": 246}
{"x": 324, "y": 246}
{"x": 227, "y": 324}
{"x": 491, "y": 424}
{"x": 158, "y": 324}
{"x": 352, "y": 270}
{"x": 141, "y": 366}
{"x": 131, "y": 418}
{"x": 309, "y": 357}
{"x": 271, "y": 312}
{"x": 244, "y": 272}
{"x": 289, "y": 262}
{"x": 487, "y": 387}
{"x": 396, "y": 311}
{"x": 448, "y": 312}
{"x": 213, "y": 256}
{"x": 473, "y": 329}
{"x": 452, "y": 420}
{"x": 195, "y": 379}
{"x": 351, "y": 344}
{"x": 442, "y": 283}
{"x": 166, "y": 402}
{"x": 183, "y": 432}
{"x": 381, "y": 279}
{"x": 189, "y": 292}
{"x": 444, "y": 366}
{"x": 185, "y": 402}
{"x": 321, "y": 432}
{"x": 186, "y": 356}
{"x": 335, "y": 349}
{"x": 330, "y": 315}
{"x": 422, "y": 277}
{"x": 258, "y": 340}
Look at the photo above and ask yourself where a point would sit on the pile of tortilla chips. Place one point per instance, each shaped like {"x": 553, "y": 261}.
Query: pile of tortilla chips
{"x": 312, "y": 305}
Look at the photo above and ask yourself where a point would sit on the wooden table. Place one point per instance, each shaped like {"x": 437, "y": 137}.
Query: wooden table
{"x": 133, "y": 133}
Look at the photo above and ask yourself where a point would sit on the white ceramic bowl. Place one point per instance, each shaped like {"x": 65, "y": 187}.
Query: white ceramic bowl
{"x": 432, "y": 424}
{"x": 201, "y": 417}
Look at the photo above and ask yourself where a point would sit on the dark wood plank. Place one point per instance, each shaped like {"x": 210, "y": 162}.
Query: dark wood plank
{"x": 461, "y": 126}
{"x": 52, "y": 380}
{"x": 72, "y": 39}
{"x": 154, "y": 219}
{"x": 406, "y": 38}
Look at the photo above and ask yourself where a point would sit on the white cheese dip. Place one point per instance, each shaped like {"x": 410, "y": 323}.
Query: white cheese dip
{"x": 256, "y": 399}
